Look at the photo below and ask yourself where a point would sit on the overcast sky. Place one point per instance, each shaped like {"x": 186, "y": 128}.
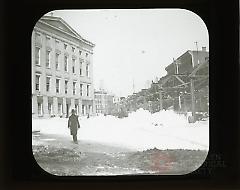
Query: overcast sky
{"x": 135, "y": 46}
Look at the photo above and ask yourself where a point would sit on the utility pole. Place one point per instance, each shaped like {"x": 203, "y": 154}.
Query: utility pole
{"x": 193, "y": 100}
{"x": 197, "y": 52}
{"x": 179, "y": 101}
{"x": 196, "y": 45}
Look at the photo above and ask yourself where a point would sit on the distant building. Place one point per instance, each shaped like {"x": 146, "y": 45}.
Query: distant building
{"x": 173, "y": 91}
{"x": 100, "y": 101}
{"x": 116, "y": 99}
{"x": 190, "y": 65}
{"x": 62, "y": 70}
{"x": 104, "y": 102}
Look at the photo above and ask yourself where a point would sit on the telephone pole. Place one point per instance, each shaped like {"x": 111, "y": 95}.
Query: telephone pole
{"x": 196, "y": 45}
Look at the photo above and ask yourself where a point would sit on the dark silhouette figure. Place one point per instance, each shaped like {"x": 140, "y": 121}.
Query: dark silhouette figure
{"x": 74, "y": 125}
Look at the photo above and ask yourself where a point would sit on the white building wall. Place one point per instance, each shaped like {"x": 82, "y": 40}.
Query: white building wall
{"x": 55, "y": 47}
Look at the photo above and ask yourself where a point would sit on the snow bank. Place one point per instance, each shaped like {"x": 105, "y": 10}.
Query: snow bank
{"x": 140, "y": 131}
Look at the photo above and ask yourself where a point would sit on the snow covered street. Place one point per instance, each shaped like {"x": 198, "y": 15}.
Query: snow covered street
{"x": 140, "y": 131}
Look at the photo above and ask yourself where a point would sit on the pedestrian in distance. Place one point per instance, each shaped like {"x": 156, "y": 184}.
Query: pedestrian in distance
{"x": 74, "y": 125}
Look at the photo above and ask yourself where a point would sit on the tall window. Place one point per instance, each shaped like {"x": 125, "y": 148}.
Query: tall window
{"x": 57, "y": 85}
{"x": 66, "y": 86}
{"x": 37, "y": 82}
{"x": 73, "y": 65}
{"x": 90, "y": 108}
{"x": 40, "y": 109}
{"x": 81, "y": 73}
{"x": 73, "y": 49}
{"x": 47, "y": 84}
{"x": 74, "y": 88}
{"x": 81, "y": 89}
{"x": 80, "y": 68}
{"x": 49, "y": 108}
{"x": 38, "y": 39}
{"x": 88, "y": 87}
{"x": 83, "y": 109}
{"x": 57, "y": 61}
{"x": 87, "y": 70}
{"x": 86, "y": 54}
{"x": 48, "y": 59}
{"x": 80, "y": 52}
{"x": 37, "y": 55}
{"x": 65, "y": 63}
{"x": 59, "y": 108}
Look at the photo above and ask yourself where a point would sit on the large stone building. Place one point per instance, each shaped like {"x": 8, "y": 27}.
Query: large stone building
{"x": 62, "y": 70}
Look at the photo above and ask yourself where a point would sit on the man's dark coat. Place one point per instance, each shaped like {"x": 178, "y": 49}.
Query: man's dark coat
{"x": 73, "y": 124}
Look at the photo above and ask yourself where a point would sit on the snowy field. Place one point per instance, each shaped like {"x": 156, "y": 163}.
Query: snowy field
{"x": 140, "y": 131}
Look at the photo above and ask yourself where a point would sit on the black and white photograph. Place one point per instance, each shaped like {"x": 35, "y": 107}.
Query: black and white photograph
{"x": 120, "y": 92}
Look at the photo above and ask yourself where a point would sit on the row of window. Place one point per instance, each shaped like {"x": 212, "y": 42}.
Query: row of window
{"x": 101, "y": 106}
{"x": 48, "y": 39}
{"x": 60, "y": 109}
{"x": 37, "y": 87}
{"x": 97, "y": 101}
{"x": 57, "y": 63}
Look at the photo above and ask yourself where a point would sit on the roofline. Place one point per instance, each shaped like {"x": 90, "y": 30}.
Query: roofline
{"x": 78, "y": 36}
{"x": 188, "y": 51}
{"x": 177, "y": 59}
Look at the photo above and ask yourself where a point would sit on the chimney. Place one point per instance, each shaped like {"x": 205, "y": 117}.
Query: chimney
{"x": 203, "y": 48}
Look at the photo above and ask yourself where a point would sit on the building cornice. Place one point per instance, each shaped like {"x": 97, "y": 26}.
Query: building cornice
{"x": 59, "y": 38}
{"x": 76, "y": 37}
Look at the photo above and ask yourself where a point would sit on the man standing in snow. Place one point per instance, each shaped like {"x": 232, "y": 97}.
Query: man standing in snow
{"x": 74, "y": 125}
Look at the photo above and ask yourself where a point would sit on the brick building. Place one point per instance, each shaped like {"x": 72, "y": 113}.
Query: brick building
{"x": 62, "y": 70}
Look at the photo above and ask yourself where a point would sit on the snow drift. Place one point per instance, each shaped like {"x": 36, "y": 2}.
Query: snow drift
{"x": 141, "y": 130}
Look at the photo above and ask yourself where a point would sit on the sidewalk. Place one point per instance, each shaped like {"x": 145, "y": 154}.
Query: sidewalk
{"x": 58, "y": 155}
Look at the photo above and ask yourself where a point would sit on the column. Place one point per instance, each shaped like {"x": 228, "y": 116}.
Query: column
{"x": 34, "y": 106}
{"x": 45, "y": 106}
{"x": 80, "y": 107}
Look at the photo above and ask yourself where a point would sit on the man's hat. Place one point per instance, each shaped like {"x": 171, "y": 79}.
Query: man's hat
{"x": 73, "y": 110}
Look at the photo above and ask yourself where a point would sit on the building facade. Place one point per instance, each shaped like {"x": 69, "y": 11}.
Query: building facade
{"x": 104, "y": 102}
{"x": 62, "y": 70}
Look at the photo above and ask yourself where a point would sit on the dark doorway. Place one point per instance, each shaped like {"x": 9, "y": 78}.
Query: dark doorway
{"x": 67, "y": 109}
